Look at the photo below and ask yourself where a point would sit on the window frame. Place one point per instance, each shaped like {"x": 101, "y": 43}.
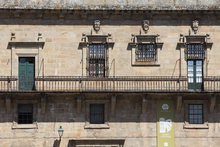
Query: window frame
{"x": 96, "y": 62}
{"x": 94, "y": 114}
{"x": 19, "y": 114}
{"x": 146, "y": 59}
{"x": 194, "y": 113}
{"x": 104, "y": 125}
{"x": 201, "y": 54}
{"x": 33, "y": 125}
{"x": 188, "y": 125}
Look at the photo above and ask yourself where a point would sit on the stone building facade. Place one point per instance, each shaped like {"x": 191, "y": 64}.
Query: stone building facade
{"x": 109, "y": 74}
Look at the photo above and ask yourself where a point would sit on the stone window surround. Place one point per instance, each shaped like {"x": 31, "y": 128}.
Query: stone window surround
{"x": 34, "y": 125}
{"x": 205, "y": 125}
{"x": 88, "y": 39}
{"x": 145, "y": 39}
{"x": 198, "y": 39}
{"x": 87, "y": 111}
{"x": 25, "y": 49}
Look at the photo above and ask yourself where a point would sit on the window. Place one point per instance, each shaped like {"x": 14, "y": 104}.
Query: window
{"x": 97, "y": 113}
{"x": 146, "y": 53}
{"x": 195, "y": 74}
{"x": 97, "y": 60}
{"x": 195, "y": 51}
{"x": 25, "y": 113}
{"x": 195, "y": 114}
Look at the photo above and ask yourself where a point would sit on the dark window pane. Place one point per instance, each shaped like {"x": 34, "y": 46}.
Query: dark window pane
{"x": 97, "y": 60}
{"x": 97, "y": 113}
{"x": 146, "y": 52}
{"x": 195, "y": 51}
{"x": 195, "y": 113}
{"x": 25, "y": 113}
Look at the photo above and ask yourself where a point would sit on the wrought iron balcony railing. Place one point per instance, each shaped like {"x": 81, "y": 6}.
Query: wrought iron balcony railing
{"x": 110, "y": 84}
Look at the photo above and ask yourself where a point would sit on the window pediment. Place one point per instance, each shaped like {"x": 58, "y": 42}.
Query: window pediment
{"x": 96, "y": 35}
{"x": 144, "y": 47}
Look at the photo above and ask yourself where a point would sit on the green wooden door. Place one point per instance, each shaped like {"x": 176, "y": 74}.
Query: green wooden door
{"x": 195, "y": 74}
{"x": 26, "y": 73}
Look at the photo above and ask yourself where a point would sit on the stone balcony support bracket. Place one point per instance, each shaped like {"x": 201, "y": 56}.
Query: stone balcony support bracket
{"x": 179, "y": 103}
{"x": 79, "y": 103}
{"x": 8, "y": 103}
{"x": 113, "y": 104}
{"x": 43, "y": 103}
{"x": 212, "y": 104}
{"x": 144, "y": 104}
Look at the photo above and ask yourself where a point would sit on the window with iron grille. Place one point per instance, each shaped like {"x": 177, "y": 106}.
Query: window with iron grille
{"x": 97, "y": 60}
{"x": 25, "y": 113}
{"x": 97, "y": 113}
{"x": 195, "y": 114}
{"x": 195, "y": 51}
{"x": 146, "y": 53}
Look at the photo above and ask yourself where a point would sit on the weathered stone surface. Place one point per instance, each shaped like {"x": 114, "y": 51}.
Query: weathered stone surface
{"x": 113, "y": 4}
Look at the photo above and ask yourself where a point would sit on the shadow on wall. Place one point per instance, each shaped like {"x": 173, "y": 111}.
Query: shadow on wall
{"x": 116, "y": 143}
{"x": 56, "y": 143}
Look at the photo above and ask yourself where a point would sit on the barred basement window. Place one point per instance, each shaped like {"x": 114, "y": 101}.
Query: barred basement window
{"x": 146, "y": 53}
{"x": 195, "y": 114}
{"x": 97, "y": 115}
{"x": 25, "y": 113}
{"x": 97, "y": 60}
{"x": 195, "y": 51}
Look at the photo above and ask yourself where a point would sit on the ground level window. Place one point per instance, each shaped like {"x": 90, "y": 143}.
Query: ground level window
{"x": 97, "y": 115}
{"x": 25, "y": 113}
{"x": 195, "y": 114}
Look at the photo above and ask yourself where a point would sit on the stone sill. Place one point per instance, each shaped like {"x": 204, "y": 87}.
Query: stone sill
{"x": 145, "y": 64}
{"x": 97, "y": 126}
{"x": 196, "y": 126}
{"x": 24, "y": 126}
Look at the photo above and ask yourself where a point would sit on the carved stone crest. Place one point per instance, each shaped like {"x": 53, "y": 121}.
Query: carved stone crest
{"x": 145, "y": 25}
{"x": 96, "y": 25}
{"x": 195, "y": 26}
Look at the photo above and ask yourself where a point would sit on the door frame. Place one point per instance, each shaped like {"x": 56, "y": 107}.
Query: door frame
{"x": 33, "y": 88}
{"x": 194, "y": 86}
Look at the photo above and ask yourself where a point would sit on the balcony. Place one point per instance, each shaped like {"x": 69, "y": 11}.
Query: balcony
{"x": 110, "y": 84}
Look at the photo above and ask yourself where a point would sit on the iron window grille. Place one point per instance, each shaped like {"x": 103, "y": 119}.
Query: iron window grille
{"x": 195, "y": 51}
{"x": 97, "y": 115}
{"x": 195, "y": 114}
{"x": 97, "y": 60}
{"x": 146, "y": 53}
{"x": 25, "y": 113}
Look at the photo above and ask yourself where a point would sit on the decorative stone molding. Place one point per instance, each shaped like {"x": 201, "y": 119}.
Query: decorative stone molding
{"x": 144, "y": 38}
{"x": 16, "y": 42}
{"x": 96, "y": 36}
{"x": 196, "y": 38}
{"x": 96, "y": 26}
{"x": 26, "y": 45}
{"x": 195, "y": 26}
{"x": 145, "y": 26}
